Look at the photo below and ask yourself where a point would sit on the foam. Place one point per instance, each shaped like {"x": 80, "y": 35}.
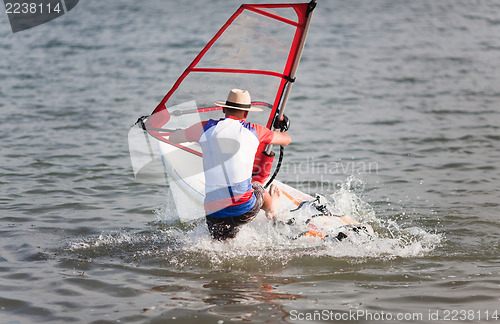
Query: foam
{"x": 260, "y": 239}
{"x": 260, "y": 242}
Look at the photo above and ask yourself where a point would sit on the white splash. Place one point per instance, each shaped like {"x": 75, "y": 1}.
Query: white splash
{"x": 260, "y": 242}
{"x": 260, "y": 239}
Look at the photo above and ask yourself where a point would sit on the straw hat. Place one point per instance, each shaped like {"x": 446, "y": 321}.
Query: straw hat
{"x": 238, "y": 99}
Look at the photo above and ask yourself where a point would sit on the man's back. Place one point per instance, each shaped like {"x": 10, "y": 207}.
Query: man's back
{"x": 229, "y": 146}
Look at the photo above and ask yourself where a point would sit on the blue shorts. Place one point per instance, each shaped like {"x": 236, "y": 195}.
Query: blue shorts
{"x": 227, "y": 227}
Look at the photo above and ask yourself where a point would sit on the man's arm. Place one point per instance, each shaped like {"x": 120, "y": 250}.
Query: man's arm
{"x": 281, "y": 138}
{"x": 178, "y": 137}
{"x": 268, "y": 136}
{"x": 190, "y": 134}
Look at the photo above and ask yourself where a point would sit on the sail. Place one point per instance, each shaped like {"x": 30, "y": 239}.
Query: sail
{"x": 255, "y": 50}
{"x": 258, "y": 50}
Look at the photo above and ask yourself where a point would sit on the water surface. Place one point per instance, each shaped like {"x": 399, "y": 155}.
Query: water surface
{"x": 394, "y": 117}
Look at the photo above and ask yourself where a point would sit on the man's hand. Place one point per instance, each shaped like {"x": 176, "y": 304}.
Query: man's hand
{"x": 283, "y": 124}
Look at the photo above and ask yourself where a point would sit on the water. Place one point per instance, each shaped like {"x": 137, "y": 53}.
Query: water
{"x": 394, "y": 114}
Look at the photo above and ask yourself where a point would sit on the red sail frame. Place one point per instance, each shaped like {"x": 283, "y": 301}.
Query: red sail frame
{"x": 300, "y": 8}
{"x": 161, "y": 116}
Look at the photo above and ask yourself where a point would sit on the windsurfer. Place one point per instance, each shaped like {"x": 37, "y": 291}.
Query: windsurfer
{"x": 229, "y": 146}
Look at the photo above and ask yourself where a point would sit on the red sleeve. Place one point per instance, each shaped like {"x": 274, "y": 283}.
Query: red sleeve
{"x": 193, "y": 133}
{"x": 265, "y": 134}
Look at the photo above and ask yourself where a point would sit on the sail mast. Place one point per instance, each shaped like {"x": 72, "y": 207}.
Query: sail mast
{"x": 288, "y": 89}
